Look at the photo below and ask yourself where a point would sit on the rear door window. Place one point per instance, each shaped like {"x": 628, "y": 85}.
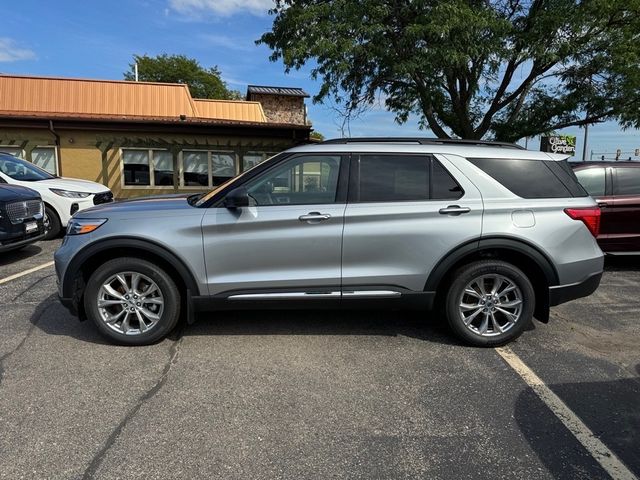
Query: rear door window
{"x": 402, "y": 178}
{"x": 532, "y": 178}
{"x": 627, "y": 181}
{"x": 593, "y": 181}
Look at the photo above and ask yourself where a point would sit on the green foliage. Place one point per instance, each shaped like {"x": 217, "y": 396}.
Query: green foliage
{"x": 202, "y": 82}
{"x": 468, "y": 68}
{"x": 316, "y": 136}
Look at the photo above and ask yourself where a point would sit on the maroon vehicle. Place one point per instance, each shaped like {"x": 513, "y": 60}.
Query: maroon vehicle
{"x": 616, "y": 188}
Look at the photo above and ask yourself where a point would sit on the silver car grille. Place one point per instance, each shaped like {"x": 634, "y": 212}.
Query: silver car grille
{"x": 18, "y": 211}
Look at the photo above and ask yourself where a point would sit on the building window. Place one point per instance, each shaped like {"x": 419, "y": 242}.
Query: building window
{"x": 224, "y": 166}
{"x": 162, "y": 168}
{"x": 12, "y": 150}
{"x": 136, "y": 167}
{"x": 45, "y": 158}
{"x": 202, "y": 168}
{"x": 251, "y": 159}
{"x": 195, "y": 169}
{"x": 147, "y": 168}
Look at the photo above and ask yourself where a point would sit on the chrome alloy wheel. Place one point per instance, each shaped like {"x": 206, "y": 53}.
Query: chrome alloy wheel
{"x": 490, "y": 305}
{"x": 130, "y": 303}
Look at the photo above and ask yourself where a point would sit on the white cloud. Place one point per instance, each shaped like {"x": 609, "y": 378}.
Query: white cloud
{"x": 10, "y": 51}
{"x": 229, "y": 43}
{"x": 221, "y": 7}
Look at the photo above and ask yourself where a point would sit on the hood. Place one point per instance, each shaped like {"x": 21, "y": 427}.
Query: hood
{"x": 14, "y": 193}
{"x": 73, "y": 184}
{"x": 160, "y": 204}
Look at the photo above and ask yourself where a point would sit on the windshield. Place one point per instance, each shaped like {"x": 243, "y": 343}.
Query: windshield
{"x": 22, "y": 170}
{"x": 207, "y": 196}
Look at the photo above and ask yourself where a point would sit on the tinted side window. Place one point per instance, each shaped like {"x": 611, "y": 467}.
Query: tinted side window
{"x": 628, "y": 181}
{"x": 565, "y": 174}
{"x": 529, "y": 178}
{"x": 393, "y": 178}
{"x": 443, "y": 185}
{"x": 593, "y": 180}
{"x": 303, "y": 180}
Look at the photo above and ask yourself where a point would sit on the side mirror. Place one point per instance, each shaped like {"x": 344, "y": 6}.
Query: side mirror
{"x": 237, "y": 198}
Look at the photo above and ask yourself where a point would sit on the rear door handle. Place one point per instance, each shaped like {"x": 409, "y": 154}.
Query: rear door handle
{"x": 314, "y": 217}
{"x": 601, "y": 203}
{"x": 454, "y": 210}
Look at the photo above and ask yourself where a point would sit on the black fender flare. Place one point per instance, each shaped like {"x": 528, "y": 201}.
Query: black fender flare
{"x": 478, "y": 245}
{"x": 124, "y": 242}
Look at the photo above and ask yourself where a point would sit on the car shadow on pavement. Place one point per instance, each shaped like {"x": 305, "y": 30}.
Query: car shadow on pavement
{"x": 422, "y": 326}
{"x": 609, "y": 409}
{"x": 622, "y": 263}
{"x": 52, "y": 318}
{"x": 14, "y": 256}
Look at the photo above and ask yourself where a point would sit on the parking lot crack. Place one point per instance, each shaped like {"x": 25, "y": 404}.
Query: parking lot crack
{"x": 99, "y": 457}
{"x": 35, "y": 321}
{"x": 32, "y": 285}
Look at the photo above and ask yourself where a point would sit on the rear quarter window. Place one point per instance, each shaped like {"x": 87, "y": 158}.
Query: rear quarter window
{"x": 533, "y": 178}
{"x": 593, "y": 180}
{"x": 627, "y": 181}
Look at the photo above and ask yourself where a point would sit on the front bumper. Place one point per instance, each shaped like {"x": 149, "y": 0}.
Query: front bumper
{"x": 21, "y": 243}
{"x": 13, "y": 236}
{"x": 564, "y": 293}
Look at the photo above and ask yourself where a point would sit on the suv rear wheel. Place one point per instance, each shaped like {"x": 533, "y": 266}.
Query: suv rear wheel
{"x": 489, "y": 303}
{"x": 132, "y": 301}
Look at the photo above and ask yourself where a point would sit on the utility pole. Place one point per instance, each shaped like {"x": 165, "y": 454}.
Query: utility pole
{"x": 584, "y": 146}
{"x": 135, "y": 71}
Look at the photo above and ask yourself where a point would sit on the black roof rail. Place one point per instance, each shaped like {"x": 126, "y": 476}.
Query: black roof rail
{"x": 420, "y": 141}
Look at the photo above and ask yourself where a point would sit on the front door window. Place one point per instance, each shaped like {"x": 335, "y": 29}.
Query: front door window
{"x": 305, "y": 180}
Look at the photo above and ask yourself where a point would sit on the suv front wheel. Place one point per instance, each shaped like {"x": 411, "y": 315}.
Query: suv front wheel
{"x": 132, "y": 301}
{"x": 489, "y": 303}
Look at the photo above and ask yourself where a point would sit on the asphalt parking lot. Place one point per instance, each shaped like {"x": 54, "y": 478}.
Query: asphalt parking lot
{"x": 315, "y": 394}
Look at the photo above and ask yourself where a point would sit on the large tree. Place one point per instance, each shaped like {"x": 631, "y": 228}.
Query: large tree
{"x": 202, "y": 82}
{"x": 473, "y": 69}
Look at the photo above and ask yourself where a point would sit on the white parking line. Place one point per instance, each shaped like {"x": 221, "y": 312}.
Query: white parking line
{"x": 25, "y": 272}
{"x": 598, "y": 450}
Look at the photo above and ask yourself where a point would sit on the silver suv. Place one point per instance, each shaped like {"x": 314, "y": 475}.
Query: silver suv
{"x": 487, "y": 233}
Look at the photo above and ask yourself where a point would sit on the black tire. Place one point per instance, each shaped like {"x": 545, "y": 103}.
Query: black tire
{"x": 463, "y": 277}
{"x": 54, "y": 226}
{"x": 171, "y": 309}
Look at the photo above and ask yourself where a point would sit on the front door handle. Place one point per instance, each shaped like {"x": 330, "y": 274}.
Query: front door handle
{"x": 454, "y": 210}
{"x": 314, "y": 217}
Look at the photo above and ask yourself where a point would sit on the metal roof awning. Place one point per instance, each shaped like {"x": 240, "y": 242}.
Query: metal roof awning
{"x": 286, "y": 91}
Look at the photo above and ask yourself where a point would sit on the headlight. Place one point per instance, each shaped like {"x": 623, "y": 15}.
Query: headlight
{"x": 80, "y": 226}
{"x": 69, "y": 193}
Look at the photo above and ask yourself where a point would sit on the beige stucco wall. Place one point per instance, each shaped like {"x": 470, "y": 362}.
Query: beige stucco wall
{"x": 96, "y": 155}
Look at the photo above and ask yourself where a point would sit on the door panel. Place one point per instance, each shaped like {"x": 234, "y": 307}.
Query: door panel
{"x": 624, "y": 216}
{"x": 624, "y": 212}
{"x": 399, "y": 243}
{"x": 270, "y": 247}
{"x": 289, "y": 238}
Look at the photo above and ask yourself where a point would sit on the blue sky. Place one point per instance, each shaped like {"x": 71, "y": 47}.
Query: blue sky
{"x": 96, "y": 39}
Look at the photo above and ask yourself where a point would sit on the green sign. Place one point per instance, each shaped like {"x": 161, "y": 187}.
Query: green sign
{"x": 558, "y": 144}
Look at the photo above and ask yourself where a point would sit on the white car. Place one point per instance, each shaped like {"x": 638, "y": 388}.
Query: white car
{"x": 62, "y": 197}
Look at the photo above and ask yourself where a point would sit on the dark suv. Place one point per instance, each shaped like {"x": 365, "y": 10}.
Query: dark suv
{"x": 21, "y": 217}
{"x": 616, "y": 188}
